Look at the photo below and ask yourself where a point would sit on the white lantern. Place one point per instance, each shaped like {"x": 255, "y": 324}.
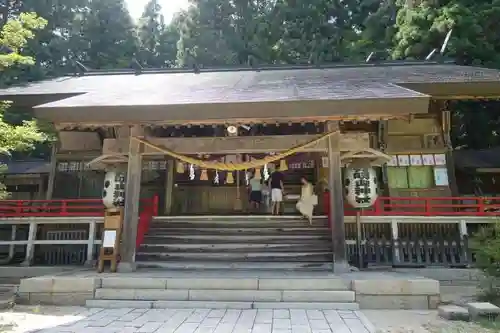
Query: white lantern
{"x": 113, "y": 193}
{"x": 361, "y": 186}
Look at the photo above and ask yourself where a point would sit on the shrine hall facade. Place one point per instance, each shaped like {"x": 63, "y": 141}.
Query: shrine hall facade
{"x": 150, "y": 123}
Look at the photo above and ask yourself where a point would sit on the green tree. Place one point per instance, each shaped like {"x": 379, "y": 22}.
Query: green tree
{"x": 109, "y": 34}
{"x": 474, "y": 41}
{"x": 13, "y": 37}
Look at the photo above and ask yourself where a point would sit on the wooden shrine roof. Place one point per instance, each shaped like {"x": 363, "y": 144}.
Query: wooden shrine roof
{"x": 180, "y": 95}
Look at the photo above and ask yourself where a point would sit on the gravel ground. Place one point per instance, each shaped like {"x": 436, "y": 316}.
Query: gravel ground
{"x": 413, "y": 321}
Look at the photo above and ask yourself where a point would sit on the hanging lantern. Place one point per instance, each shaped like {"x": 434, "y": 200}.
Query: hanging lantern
{"x": 204, "y": 174}
{"x": 361, "y": 186}
{"x": 257, "y": 175}
{"x": 229, "y": 178}
{"x": 191, "y": 172}
{"x": 113, "y": 193}
{"x": 180, "y": 167}
{"x": 283, "y": 165}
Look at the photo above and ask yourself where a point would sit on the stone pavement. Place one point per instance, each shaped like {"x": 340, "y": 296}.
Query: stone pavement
{"x": 82, "y": 320}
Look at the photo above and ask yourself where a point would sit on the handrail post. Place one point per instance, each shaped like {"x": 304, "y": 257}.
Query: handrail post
{"x": 395, "y": 242}
{"x": 90, "y": 244}
{"x": 428, "y": 206}
{"x": 30, "y": 247}
{"x": 64, "y": 208}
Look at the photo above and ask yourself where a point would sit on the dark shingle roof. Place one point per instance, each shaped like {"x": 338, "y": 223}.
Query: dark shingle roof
{"x": 223, "y": 88}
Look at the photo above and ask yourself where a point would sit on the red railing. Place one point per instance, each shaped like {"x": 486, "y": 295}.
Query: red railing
{"x": 428, "y": 206}
{"x": 384, "y": 206}
{"x": 54, "y": 208}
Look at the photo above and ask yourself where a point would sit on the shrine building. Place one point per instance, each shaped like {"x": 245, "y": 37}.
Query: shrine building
{"x": 175, "y": 147}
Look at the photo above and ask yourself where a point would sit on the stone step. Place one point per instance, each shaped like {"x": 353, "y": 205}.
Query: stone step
{"x": 186, "y": 239}
{"x": 243, "y": 219}
{"x": 240, "y": 238}
{"x": 335, "y": 296}
{"x": 112, "y": 304}
{"x": 247, "y": 225}
{"x": 323, "y": 256}
{"x": 237, "y": 266}
{"x": 238, "y": 231}
{"x": 235, "y": 248}
{"x": 230, "y": 281}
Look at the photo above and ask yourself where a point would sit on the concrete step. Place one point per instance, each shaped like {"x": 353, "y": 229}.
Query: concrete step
{"x": 111, "y": 304}
{"x": 329, "y": 296}
{"x": 237, "y": 266}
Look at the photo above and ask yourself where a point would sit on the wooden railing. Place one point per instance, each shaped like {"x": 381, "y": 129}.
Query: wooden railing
{"x": 60, "y": 208}
{"x": 437, "y": 206}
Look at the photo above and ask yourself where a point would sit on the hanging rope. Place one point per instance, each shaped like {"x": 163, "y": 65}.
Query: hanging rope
{"x": 257, "y": 163}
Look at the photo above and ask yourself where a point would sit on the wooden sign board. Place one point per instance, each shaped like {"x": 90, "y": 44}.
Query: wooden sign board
{"x": 110, "y": 247}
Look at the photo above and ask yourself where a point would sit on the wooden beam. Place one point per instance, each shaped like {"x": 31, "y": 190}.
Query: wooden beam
{"x": 242, "y": 145}
{"x": 340, "y": 264}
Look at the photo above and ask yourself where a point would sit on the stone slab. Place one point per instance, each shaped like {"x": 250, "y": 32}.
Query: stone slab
{"x": 393, "y": 302}
{"x": 75, "y": 284}
{"x": 41, "y": 284}
{"x": 304, "y": 284}
{"x": 201, "y": 304}
{"x": 142, "y": 294}
{"x": 235, "y": 295}
{"x": 453, "y": 312}
{"x": 134, "y": 283}
{"x": 340, "y": 296}
{"x": 118, "y": 304}
{"x": 482, "y": 309}
{"x": 306, "y": 305}
{"x": 213, "y": 283}
{"x": 396, "y": 287}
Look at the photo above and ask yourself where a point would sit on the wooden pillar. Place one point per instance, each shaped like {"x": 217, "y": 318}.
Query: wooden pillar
{"x": 52, "y": 172}
{"x": 169, "y": 186}
{"x": 132, "y": 197}
{"x": 340, "y": 264}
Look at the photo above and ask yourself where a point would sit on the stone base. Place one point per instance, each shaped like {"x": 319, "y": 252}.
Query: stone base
{"x": 479, "y": 310}
{"x": 453, "y": 312}
{"x": 369, "y": 290}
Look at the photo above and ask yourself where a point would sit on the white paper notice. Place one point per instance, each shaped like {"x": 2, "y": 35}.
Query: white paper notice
{"x": 428, "y": 159}
{"x": 109, "y": 238}
{"x": 393, "y": 161}
{"x": 440, "y": 159}
{"x": 441, "y": 176}
{"x": 416, "y": 160}
{"x": 403, "y": 160}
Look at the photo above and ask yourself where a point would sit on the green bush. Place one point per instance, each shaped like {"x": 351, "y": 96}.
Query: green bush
{"x": 486, "y": 246}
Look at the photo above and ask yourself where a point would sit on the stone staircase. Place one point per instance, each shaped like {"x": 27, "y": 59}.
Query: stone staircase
{"x": 226, "y": 290}
{"x": 237, "y": 242}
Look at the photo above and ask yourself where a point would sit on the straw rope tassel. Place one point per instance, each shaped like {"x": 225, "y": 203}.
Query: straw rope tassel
{"x": 257, "y": 174}
{"x": 204, "y": 174}
{"x": 283, "y": 165}
{"x": 180, "y": 167}
{"x": 229, "y": 178}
